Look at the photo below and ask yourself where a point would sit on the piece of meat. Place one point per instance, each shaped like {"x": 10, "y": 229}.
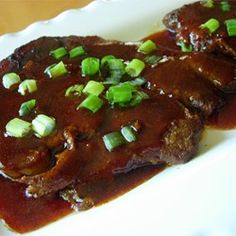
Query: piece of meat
{"x": 176, "y": 78}
{"x": 186, "y": 22}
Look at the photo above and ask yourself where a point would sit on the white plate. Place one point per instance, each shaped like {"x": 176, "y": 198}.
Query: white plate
{"x": 195, "y": 199}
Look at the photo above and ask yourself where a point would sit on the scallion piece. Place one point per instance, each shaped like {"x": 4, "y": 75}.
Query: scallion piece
{"x": 135, "y": 67}
{"x": 138, "y": 97}
{"x": 208, "y": 3}
{"x": 90, "y": 66}
{"x": 113, "y": 140}
{"x": 152, "y": 59}
{"x": 106, "y": 58}
{"x": 137, "y": 81}
{"x": 231, "y": 27}
{"x": 121, "y": 93}
{"x": 128, "y": 134}
{"x": 58, "y": 53}
{"x": 147, "y": 47}
{"x": 18, "y": 128}
{"x": 56, "y": 70}
{"x": 27, "y": 86}
{"x": 225, "y": 6}
{"x": 76, "y": 52}
{"x": 10, "y": 79}
{"x": 27, "y": 107}
{"x": 74, "y": 90}
{"x": 94, "y": 88}
{"x": 92, "y": 103}
{"x": 212, "y": 25}
{"x": 43, "y": 125}
{"x": 185, "y": 48}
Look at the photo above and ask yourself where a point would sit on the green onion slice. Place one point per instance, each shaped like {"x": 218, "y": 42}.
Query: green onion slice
{"x": 27, "y": 86}
{"x": 76, "y": 52}
{"x": 225, "y": 6}
{"x": 208, "y": 3}
{"x": 56, "y": 70}
{"x": 137, "y": 81}
{"x": 94, "y": 88}
{"x": 212, "y": 25}
{"x": 138, "y": 97}
{"x": 74, "y": 90}
{"x": 113, "y": 140}
{"x": 185, "y": 48}
{"x": 58, "y": 53}
{"x": 27, "y": 107}
{"x": 147, "y": 47}
{"x": 92, "y": 103}
{"x": 90, "y": 66}
{"x": 10, "y": 79}
{"x": 43, "y": 125}
{"x": 128, "y": 134}
{"x": 152, "y": 59}
{"x": 135, "y": 67}
{"x": 18, "y": 128}
{"x": 231, "y": 27}
{"x": 106, "y": 58}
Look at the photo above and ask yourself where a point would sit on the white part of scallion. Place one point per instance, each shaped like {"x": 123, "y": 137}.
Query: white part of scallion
{"x": 27, "y": 86}
{"x": 18, "y": 128}
{"x": 10, "y": 79}
{"x": 43, "y": 125}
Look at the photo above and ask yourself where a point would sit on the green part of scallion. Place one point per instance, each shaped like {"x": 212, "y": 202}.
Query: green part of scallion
{"x": 27, "y": 107}
{"x": 135, "y": 67}
{"x": 225, "y": 6}
{"x": 116, "y": 70}
{"x": 18, "y": 128}
{"x": 128, "y": 134}
{"x": 74, "y": 90}
{"x": 137, "y": 81}
{"x": 90, "y": 66}
{"x": 92, "y": 103}
{"x": 27, "y": 86}
{"x": 121, "y": 93}
{"x": 43, "y": 125}
{"x": 231, "y": 27}
{"x": 147, "y": 47}
{"x": 185, "y": 48}
{"x": 58, "y": 53}
{"x": 76, "y": 52}
{"x": 94, "y": 88}
{"x": 113, "y": 140}
{"x": 138, "y": 97}
{"x": 208, "y": 3}
{"x": 106, "y": 58}
{"x": 212, "y": 25}
{"x": 152, "y": 59}
{"x": 10, "y": 79}
{"x": 56, "y": 70}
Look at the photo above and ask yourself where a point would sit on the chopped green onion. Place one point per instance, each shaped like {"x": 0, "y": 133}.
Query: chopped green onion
{"x": 56, "y": 70}
{"x": 90, "y": 66}
{"x": 43, "y": 125}
{"x": 225, "y": 6}
{"x": 113, "y": 140}
{"x": 18, "y": 128}
{"x": 116, "y": 68}
{"x": 212, "y": 25}
{"x": 208, "y": 3}
{"x": 94, "y": 88}
{"x": 27, "y": 107}
{"x": 138, "y": 97}
{"x": 106, "y": 58}
{"x": 74, "y": 90}
{"x": 185, "y": 48}
{"x": 137, "y": 81}
{"x": 76, "y": 52}
{"x": 231, "y": 27}
{"x": 152, "y": 59}
{"x": 10, "y": 79}
{"x": 128, "y": 134}
{"x": 92, "y": 103}
{"x": 135, "y": 67}
{"x": 121, "y": 93}
{"x": 27, "y": 86}
{"x": 147, "y": 47}
{"x": 58, "y": 53}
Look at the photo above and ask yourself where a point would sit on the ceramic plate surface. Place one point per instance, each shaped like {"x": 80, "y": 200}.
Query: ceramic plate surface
{"x": 195, "y": 199}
